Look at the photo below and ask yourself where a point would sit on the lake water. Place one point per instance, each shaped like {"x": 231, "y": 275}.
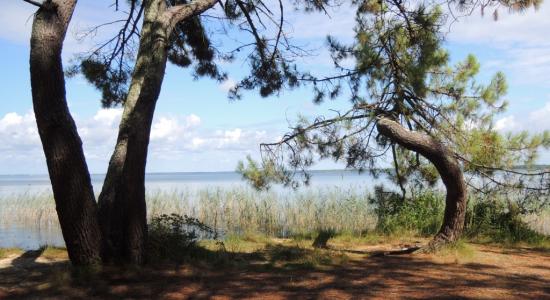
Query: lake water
{"x": 31, "y": 184}
{"x": 21, "y": 235}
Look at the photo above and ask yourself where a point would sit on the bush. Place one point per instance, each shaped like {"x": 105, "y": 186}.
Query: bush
{"x": 494, "y": 219}
{"x": 423, "y": 214}
{"x": 173, "y": 237}
{"x": 499, "y": 221}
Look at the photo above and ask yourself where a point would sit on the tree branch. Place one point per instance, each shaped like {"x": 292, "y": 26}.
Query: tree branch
{"x": 178, "y": 13}
{"x": 259, "y": 43}
{"x": 414, "y": 141}
{"x": 35, "y": 3}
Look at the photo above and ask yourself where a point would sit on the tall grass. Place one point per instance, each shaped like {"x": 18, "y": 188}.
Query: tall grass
{"x": 29, "y": 209}
{"x": 284, "y": 213}
{"x": 234, "y": 210}
{"x": 422, "y": 215}
{"x": 281, "y": 214}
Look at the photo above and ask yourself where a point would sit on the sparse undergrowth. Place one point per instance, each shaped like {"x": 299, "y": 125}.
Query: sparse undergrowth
{"x": 52, "y": 252}
{"x": 246, "y": 250}
{"x": 5, "y": 252}
{"x": 459, "y": 250}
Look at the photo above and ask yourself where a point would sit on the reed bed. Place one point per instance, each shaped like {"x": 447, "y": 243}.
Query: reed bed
{"x": 231, "y": 210}
{"x": 241, "y": 210}
{"x": 540, "y": 222}
{"x": 36, "y": 210}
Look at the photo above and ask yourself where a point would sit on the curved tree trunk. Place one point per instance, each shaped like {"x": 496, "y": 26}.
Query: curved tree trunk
{"x": 71, "y": 184}
{"x": 449, "y": 170}
{"x": 122, "y": 199}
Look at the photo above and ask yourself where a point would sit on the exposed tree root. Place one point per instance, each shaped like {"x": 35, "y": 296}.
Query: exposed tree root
{"x": 402, "y": 251}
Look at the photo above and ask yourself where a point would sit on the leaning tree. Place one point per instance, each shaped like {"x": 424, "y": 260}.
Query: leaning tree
{"x": 129, "y": 69}
{"x": 71, "y": 184}
{"x": 410, "y": 107}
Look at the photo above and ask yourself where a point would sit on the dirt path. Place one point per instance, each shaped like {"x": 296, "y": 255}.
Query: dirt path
{"x": 489, "y": 273}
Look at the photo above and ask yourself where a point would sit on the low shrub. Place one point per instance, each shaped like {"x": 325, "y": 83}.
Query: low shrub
{"x": 173, "y": 237}
{"x": 422, "y": 215}
{"x": 500, "y": 221}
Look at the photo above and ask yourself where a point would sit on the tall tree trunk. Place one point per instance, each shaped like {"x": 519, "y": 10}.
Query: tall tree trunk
{"x": 449, "y": 170}
{"x": 71, "y": 184}
{"x": 122, "y": 199}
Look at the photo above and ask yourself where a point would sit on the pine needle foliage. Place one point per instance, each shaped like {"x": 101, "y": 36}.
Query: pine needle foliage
{"x": 401, "y": 71}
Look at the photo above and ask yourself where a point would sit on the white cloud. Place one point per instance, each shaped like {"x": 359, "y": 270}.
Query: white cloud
{"x": 173, "y": 137}
{"x": 521, "y": 29}
{"x": 178, "y": 143}
{"x": 172, "y": 128}
{"x": 535, "y": 121}
{"x": 518, "y": 40}
{"x": 165, "y": 127}
{"x": 18, "y": 134}
{"x": 108, "y": 115}
{"x": 227, "y": 85}
{"x": 506, "y": 124}
{"x": 196, "y": 142}
{"x": 232, "y": 135}
{"x": 10, "y": 119}
{"x": 16, "y": 19}
{"x": 541, "y": 114}
{"x": 192, "y": 121}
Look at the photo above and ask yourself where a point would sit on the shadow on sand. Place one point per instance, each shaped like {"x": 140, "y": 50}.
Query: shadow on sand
{"x": 403, "y": 276}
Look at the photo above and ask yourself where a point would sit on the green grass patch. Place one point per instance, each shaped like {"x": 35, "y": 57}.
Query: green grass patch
{"x": 300, "y": 257}
{"x": 459, "y": 250}
{"x": 244, "y": 244}
{"x": 52, "y": 252}
{"x": 6, "y": 252}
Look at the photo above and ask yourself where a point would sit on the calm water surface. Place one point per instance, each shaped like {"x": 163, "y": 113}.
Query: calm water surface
{"x": 31, "y": 184}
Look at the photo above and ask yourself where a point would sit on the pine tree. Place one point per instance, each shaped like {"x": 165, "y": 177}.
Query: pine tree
{"x": 411, "y": 107}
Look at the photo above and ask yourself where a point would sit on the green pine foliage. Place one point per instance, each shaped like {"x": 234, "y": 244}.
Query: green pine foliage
{"x": 402, "y": 72}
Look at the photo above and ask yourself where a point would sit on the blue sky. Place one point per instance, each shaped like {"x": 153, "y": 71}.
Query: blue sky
{"x": 196, "y": 128}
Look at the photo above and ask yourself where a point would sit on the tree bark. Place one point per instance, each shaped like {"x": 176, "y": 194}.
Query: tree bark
{"x": 449, "y": 170}
{"x": 122, "y": 205}
{"x": 122, "y": 199}
{"x": 71, "y": 184}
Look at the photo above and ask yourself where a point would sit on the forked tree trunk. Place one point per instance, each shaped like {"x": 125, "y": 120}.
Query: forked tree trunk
{"x": 71, "y": 184}
{"x": 449, "y": 170}
{"x": 122, "y": 199}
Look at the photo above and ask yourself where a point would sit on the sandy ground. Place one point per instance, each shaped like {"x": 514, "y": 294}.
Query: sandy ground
{"x": 488, "y": 273}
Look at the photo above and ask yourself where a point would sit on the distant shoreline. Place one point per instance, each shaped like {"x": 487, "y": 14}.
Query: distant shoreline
{"x": 194, "y": 172}
{"x": 519, "y": 167}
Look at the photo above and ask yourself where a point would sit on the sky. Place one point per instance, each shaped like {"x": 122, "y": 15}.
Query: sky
{"x": 196, "y": 127}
